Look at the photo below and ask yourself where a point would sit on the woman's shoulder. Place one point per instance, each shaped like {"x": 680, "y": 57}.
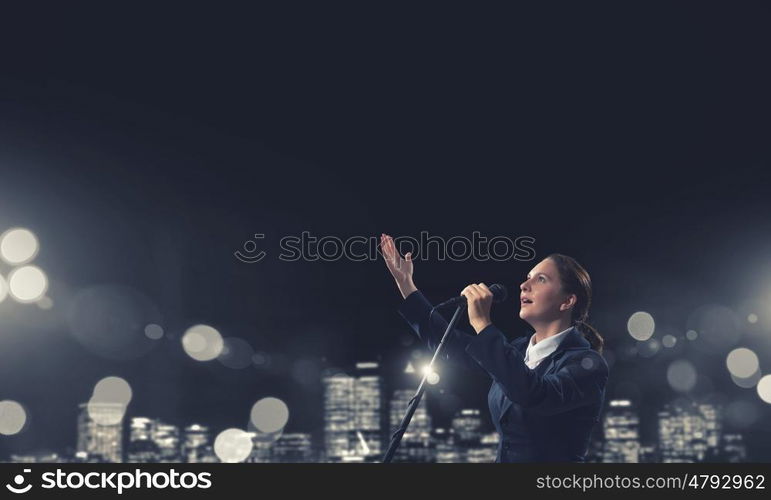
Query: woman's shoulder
{"x": 587, "y": 358}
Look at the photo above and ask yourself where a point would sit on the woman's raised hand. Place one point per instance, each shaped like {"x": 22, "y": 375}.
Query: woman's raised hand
{"x": 400, "y": 268}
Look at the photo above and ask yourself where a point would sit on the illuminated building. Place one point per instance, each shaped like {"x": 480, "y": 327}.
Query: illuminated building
{"x": 734, "y": 450}
{"x": 416, "y": 442}
{"x": 689, "y": 432}
{"x": 354, "y": 414}
{"x": 292, "y": 448}
{"x": 166, "y": 437}
{"x": 97, "y": 440}
{"x": 196, "y": 443}
{"x": 339, "y": 421}
{"x": 621, "y": 428}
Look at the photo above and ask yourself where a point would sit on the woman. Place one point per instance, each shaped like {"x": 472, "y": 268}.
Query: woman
{"x": 547, "y": 389}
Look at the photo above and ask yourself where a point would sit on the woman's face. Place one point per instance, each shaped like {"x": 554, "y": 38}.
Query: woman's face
{"x": 541, "y": 297}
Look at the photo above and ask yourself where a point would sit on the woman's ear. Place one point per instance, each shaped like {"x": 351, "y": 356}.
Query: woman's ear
{"x": 569, "y": 302}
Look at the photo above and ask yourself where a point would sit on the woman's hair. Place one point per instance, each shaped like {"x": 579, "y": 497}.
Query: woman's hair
{"x": 576, "y": 280}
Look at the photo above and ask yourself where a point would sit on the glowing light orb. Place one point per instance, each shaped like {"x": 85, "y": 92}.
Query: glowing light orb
{"x": 641, "y": 326}
{"x": 432, "y": 378}
{"x": 12, "y": 417}
{"x": 691, "y": 334}
{"x": 153, "y": 331}
{"x": 27, "y": 284}
{"x": 681, "y": 375}
{"x": 233, "y": 445}
{"x": 18, "y": 246}
{"x": 202, "y": 342}
{"x": 752, "y": 318}
{"x": 269, "y": 415}
{"x": 112, "y": 390}
{"x": 747, "y": 382}
{"x": 669, "y": 341}
{"x": 742, "y": 362}
{"x": 764, "y": 389}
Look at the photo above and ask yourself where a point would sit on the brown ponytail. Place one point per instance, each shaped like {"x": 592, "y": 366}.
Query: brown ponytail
{"x": 576, "y": 280}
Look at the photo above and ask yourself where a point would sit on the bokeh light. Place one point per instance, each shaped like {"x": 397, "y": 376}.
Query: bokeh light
{"x": 752, "y": 318}
{"x": 641, "y": 325}
{"x": 742, "y": 362}
{"x": 109, "y": 401}
{"x": 747, "y": 382}
{"x": 409, "y": 368}
{"x": 669, "y": 341}
{"x": 202, "y": 342}
{"x": 431, "y": 376}
{"x": 764, "y": 389}
{"x": 153, "y": 331}
{"x": 681, "y": 375}
{"x": 112, "y": 390}
{"x": 233, "y": 445}
{"x": 236, "y": 353}
{"x": 12, "y": 417}
{"x": 3, "y": 289}
{"x": 269, "y": 415}
{"x": 18, "y": 246}
{"x": 587, "y": 363}
{"x": 691, "y": 334}
{"x": 27, "y": 284}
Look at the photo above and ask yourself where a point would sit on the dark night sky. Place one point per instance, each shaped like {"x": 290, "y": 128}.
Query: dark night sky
{"x": 144, "y": 148}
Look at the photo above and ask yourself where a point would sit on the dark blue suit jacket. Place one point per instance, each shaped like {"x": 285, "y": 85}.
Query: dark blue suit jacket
{"x": 542, "y": 415}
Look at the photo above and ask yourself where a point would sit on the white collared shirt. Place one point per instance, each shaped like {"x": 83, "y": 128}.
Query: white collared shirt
{"x": 536, "y": 353}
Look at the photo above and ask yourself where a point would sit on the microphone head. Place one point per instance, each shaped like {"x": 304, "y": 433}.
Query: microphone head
{"x": 499, "y": 292}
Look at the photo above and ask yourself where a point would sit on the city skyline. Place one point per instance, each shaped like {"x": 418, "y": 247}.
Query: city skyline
{"x": 360, "y": 419}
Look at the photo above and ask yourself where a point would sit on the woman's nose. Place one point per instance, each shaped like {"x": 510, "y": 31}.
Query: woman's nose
{"x": 523, "y": 286}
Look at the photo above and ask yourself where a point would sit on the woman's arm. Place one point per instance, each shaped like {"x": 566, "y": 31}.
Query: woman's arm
{"x": 576, "y": 384}
{"x": 416, "y": 309}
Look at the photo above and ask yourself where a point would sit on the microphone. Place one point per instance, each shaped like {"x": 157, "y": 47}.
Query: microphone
{"x": 499, "y": 295}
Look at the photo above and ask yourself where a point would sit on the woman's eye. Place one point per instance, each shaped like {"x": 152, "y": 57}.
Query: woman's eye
{"x": 541, "y": 279}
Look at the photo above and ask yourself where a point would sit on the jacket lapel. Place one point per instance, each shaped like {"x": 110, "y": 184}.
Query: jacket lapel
{"x": 573, "y": 340}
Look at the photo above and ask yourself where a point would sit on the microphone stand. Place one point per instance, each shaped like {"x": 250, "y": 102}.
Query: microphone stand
{"x": 396, "y": 438}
